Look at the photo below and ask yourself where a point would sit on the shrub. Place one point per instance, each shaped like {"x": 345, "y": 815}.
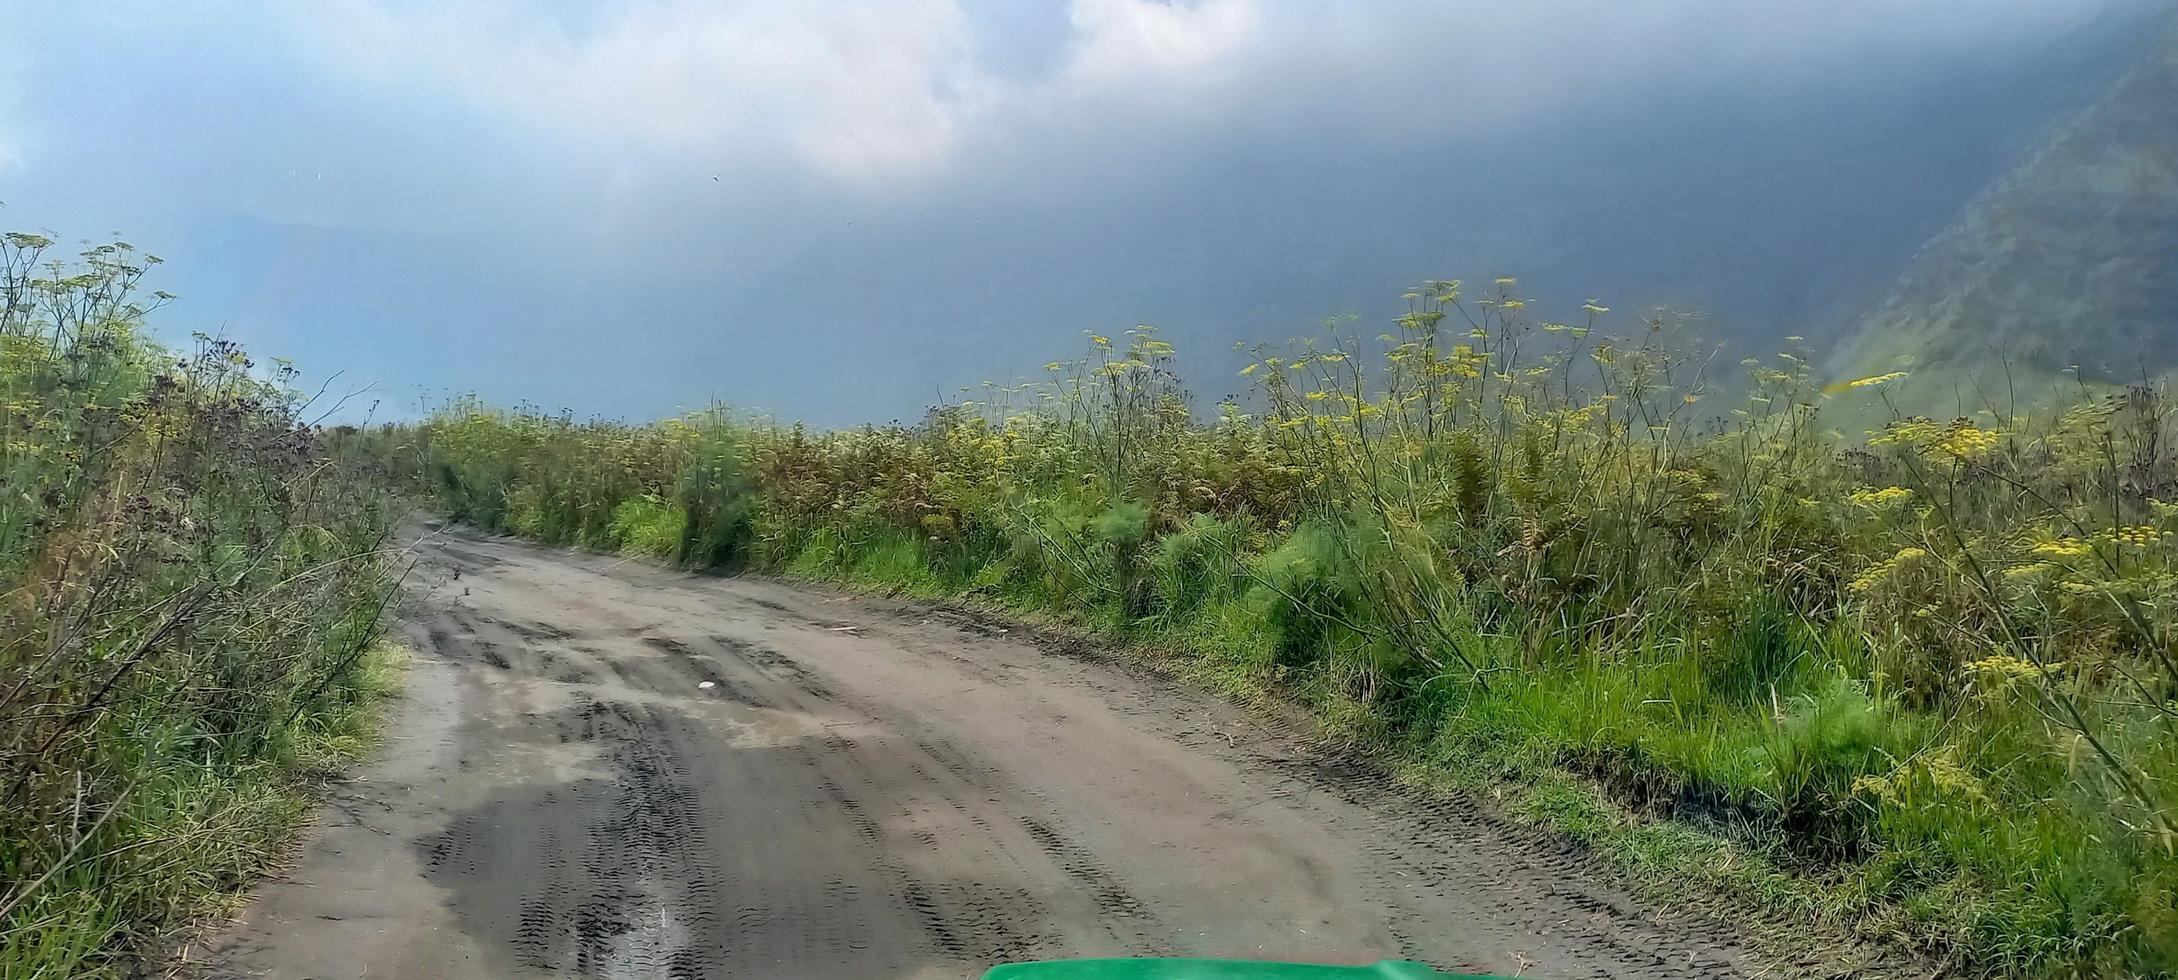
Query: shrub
{"x": 716, "y": 497}
{"x": 648, "y": 526}
{"x": 1199, "y": 561}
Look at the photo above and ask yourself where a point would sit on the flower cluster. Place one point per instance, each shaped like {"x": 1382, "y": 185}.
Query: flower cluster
{"x": 1959, "y": 439}
{"x": 1905, "y": 558}
{"x": 1880, "y": 498}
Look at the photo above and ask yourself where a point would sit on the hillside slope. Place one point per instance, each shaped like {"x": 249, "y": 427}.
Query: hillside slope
{"x": 2069, "y": 259}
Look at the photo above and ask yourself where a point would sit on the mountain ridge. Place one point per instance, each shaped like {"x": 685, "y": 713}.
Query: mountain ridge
{"x": 2065, "y": 269}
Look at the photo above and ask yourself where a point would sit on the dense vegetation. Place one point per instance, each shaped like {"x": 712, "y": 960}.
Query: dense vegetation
{"x": 1926, "y": 686}
{"x": 193, "y": 585}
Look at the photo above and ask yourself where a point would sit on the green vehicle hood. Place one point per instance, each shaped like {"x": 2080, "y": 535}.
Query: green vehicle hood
{"x": 1150, "y": 969}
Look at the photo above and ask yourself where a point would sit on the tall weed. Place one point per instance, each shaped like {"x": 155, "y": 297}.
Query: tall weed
{"x": 195, "y": 576}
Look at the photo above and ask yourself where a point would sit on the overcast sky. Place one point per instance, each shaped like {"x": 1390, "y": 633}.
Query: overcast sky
{"x": 841, "y": 211}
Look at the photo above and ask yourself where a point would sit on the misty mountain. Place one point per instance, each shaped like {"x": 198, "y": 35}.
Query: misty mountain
{"x": 2069, "y": 259}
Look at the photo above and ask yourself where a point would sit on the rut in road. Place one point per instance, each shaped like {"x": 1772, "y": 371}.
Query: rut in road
{"x": 607, "y": 769}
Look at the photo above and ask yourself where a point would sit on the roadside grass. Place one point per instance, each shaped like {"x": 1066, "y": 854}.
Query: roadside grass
{"x": 1921, "y": 685}
{"x": 192, "y": 837}
{"x": 194, "y": 576}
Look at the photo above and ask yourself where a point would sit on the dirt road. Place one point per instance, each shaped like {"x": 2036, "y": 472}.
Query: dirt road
{"x": 605, "y": 769}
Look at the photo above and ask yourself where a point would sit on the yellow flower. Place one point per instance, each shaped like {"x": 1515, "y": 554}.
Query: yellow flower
{"x": 2028, "y": 571}
{"x": 1881, "y": 570}
{"x": 1960, "y": 439}
{"x": 1880, "y": 498}
{"x": 1880, "y": 379}
{"x": 2063, "y": 548}
{"x": 1966, "y": 441}
{"x": 2003, "y": 667}
{"x": 2138, "y": 535}
{"x": 1945, "y": 773}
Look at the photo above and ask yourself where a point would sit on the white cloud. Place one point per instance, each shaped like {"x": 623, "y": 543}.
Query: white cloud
{"x": 859, "y": 89}
{"x": 1133, "y": 42}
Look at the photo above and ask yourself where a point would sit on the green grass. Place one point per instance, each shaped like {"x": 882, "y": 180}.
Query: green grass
{"x": 649, "y": 527}
{"x": 190, "y": 838}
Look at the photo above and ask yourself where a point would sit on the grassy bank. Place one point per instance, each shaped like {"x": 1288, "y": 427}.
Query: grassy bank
{"x": 1925, "y": 677}
{"x": 194, "y": 579}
